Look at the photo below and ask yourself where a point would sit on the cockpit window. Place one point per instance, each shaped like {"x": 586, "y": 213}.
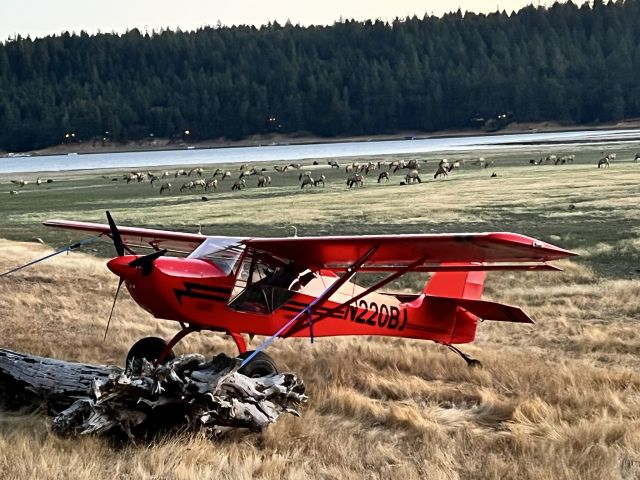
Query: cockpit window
{"x": 224, "y": 252}
{"x": 264, "y": 283}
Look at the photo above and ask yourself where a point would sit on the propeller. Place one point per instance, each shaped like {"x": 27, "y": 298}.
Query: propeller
{"x": 113, "y": 306}
{"x": 115, "y": 235}
{"x": 118, "y": 243}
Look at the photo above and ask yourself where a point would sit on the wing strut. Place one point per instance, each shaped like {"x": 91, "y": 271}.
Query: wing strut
{"x": 380, "y": 284}
{"x": 324, "y": 296}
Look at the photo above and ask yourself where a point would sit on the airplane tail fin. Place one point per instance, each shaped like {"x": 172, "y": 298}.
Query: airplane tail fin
{"x": 468, "y": 285}
{"x": 454, "y": 305}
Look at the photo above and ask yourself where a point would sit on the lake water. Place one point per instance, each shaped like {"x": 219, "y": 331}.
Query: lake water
{"x": 311, "y": 151}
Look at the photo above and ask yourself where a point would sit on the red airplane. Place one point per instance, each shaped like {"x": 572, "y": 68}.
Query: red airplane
{"x": 302, "y": 286}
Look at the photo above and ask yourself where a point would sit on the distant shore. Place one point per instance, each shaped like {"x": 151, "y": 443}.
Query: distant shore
{"x": 157, "y": 144}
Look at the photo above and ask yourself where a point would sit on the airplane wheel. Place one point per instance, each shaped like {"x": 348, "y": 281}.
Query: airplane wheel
{"x": 148, "y": 348}
{"x": 260, "y": 366}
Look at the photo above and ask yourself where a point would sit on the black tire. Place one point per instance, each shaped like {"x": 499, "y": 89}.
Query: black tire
{"x": 149, "y": 348}
{"x": 260, "y": 366}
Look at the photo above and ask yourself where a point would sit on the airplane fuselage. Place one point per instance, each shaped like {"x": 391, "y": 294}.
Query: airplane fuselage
{"x": 197, "y": 293}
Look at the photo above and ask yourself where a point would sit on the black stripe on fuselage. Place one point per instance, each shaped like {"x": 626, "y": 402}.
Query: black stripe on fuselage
{"x": 202, "y": 292}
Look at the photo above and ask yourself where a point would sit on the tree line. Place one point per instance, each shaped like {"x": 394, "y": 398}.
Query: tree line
{"x": 564, "y": 63}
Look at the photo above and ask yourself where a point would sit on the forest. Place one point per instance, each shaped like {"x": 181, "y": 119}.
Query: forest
{"x": 564, "y": 63}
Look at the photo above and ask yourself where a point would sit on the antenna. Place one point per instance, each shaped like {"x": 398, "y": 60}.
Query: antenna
{"x": 199, "y": 229}
{"x": 295, "y": 230}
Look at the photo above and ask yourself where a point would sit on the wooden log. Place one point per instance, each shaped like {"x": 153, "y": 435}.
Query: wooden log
{"x": 189, "y": 391}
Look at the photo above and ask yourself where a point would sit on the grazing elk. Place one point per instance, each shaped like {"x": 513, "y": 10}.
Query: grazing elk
{"x": 180, "y": 172}
{"x": 412, "y": 177}
{"x": 239, "y": 184}
{"x": 307, "y": 180}
{"x": 187, "y": 186}
{"x": 334, "y": 164}
{"x": 166, "y": 187}
{"x": 226, "y": 175}
{"x": 383, "y": 176}
{"x": 442, "y": 170}
{"x": 399, "y": 165}
{"x": 201, "y": 182}
{"x": 264, "y": 180}
{"x": 297, "y": 166}
{"x": 319, "y": 181}
{"x": 413, "y": 164}
{"x": 637, "y": 157}
{"x": 211, "y": 184}
{"x": 280, "y": 168}
{"x": 603, "y": 162}
{"x": 356, "y": 180}
{"x": 198, "y": 171}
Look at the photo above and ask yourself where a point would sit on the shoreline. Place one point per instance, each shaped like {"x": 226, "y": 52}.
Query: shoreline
{"x": 159, "y": 145}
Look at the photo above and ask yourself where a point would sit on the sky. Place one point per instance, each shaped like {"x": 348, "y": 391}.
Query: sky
{"x": 38, "y": 18}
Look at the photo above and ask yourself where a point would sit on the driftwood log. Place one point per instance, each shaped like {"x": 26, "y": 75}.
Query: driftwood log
{"x": 189, "y": 392}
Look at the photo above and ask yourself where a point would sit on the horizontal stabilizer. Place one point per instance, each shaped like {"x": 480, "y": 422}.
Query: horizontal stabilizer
{"x": 484, "y": 309}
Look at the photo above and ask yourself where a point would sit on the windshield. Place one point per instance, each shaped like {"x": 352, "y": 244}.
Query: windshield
{"x": 224, "y": 252}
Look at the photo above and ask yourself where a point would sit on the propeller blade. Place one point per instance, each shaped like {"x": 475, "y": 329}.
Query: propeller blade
{"x": 112, "y": 308}
{"x": 115, "y": 235}
{"x": 146, "y": 262}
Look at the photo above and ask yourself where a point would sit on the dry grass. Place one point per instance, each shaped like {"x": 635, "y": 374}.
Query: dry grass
{"x": 557, "y": 400}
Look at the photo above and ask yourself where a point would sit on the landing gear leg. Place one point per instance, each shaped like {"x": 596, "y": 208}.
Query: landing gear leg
{"x": 176, "y": 338}
{"x": 240, "y": 343}
{"x": 471, "y": 362}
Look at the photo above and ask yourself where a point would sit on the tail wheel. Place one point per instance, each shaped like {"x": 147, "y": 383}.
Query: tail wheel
{"x": 149, "y": 348}
{"x": 260, "y": 366}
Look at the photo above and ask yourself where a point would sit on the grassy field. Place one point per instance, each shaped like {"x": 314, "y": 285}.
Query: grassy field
{"x": 560, "y": 399}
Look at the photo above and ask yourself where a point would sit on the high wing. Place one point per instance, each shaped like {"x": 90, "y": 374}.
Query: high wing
{"x": 427, "y": 252}
{"x": 178, "y": 242}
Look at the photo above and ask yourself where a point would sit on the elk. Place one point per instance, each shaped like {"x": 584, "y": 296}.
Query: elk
{"x": 383, "y": 176}
{"x": 297, "y": 166}
{"x": 412, "y": 177}
{"x": 280, "y": 168}
{"x": 319, "y": 181}
{"x": 239, "y": 184}
{"x": 211, "y": 184}
{"x": 637, "y": 157}
{"x": 413, "y": 164}
{"x": 566, "y": 159}
{"x": 333, "y": 164}
{"x": 603, "y": 162}
{"x": 355, "y": 180}
{"x": 199, "y": 171}
{"x": 166, "y": 187}
{"x": 180, "y": 172}
{"x": 441, "y": 171}
{"x": 307, "y": 180}
{"x": 187, "y": 186}
{"x": 225, "y": 175}
{"x": 200, "y": 183}
{"x": 264, "y": 180}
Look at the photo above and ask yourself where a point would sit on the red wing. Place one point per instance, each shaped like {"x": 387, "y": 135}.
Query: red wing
{"x": 137, "y": 237}
{"x": 394, "y": 252}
